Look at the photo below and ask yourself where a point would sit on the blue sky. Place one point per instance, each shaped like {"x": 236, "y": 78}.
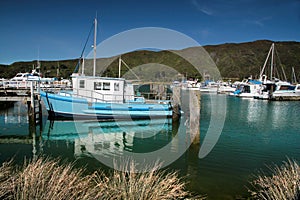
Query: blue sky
{"x": 53, "y": 30}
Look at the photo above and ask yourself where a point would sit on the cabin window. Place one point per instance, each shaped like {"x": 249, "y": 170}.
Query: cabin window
{"x": 97, "y": 86}
{"x": 247, "y": 89}
{"x": 283, "y": 87}
{"x": 298, "y": 88}
{"x": 81, "y": 83}
{"x": 117, "y": 87}
{"x": 106, "y": 85}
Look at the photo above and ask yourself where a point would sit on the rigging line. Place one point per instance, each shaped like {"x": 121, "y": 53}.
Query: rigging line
{"x": 281, "y": 65}
{"x": 277, "y": 73}
{"x": 78, "y": 63}
{"x": 130, "y": 70}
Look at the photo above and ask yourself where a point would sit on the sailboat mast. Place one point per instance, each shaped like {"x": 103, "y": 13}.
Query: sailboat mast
{"x": 265, "y": 64}
{"x": 294, "y": 76}
{"x": 82, "y": 69}
{"x": 272, "y": 59}
{"x": 95, "y": 44}
{"x": 38, "y": 67}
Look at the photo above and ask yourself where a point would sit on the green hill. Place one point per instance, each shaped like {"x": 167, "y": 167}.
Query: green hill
{"x": 244, "y": 59}
{"x": 48, "y": 68}
{"x": 233, "y": 61}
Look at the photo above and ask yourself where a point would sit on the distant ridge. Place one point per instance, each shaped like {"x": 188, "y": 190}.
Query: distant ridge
{"x": 234, "y": 60}
{"x": 244, "y": 59}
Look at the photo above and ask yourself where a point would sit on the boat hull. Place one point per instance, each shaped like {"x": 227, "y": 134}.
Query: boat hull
{"x": 246, "y": 95}
{"x": 79, "y": 108}
{"x": 286, "y": 95}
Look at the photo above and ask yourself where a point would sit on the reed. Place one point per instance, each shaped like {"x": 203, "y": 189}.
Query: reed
{"x": 5, "y": 173}
{"x": 46, "y": 178}
{"x": 284, "y": 183}
{"x": 152, "y": 184}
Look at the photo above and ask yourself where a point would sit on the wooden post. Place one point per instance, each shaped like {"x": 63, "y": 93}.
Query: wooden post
{"x": 40, "y": 115}
{"x": 176, "y": 103}
{"x": 31, "y": 111}
{"x": 271, "y": 92}
{"x": 195, "y": 100}
{"x": 32, "y": 95}
{"x": 31, "y": 118}
{"x": 38, "y": 87}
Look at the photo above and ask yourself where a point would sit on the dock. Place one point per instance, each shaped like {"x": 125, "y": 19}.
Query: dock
{"x": 29, "y": 94}
{"x": 14, "y": 94}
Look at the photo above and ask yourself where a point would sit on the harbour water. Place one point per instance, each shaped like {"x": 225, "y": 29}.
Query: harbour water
{"x": 255, "y": 134}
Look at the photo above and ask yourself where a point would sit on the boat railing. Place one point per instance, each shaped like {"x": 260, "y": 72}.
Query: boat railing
{"x": 95, "y": 96}
{"x": 16, "y": 84}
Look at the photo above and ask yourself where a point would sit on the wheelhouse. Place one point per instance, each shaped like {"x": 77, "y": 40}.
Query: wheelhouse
{"x": 103, "y": 89}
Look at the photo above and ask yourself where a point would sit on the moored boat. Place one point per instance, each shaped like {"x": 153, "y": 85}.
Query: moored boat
{"x": 281, "y": 89}
{"x": 33, "y": 76}
{"x": 209, "y": 87}
{"x": 22, "y": 80}
{"x": 226, "y": 88}
{"x": 248, "y": 89}
{"x": 102, "y": 98}
{"x": 286, "y": 92}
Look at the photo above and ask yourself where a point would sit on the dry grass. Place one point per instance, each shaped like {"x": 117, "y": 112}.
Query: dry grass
{"x": 153, "y": 184}
{"x": 5, "y": 172}
{"x": 283, "y": 184}
{"x": 47, "y": 179}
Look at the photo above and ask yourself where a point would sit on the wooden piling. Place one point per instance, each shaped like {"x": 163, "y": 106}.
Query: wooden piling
{"x": 29, "y": 95}
{"x": 32, "y": 95}
{"x": 192, "y": 113}
{"x": 195, "y": 102}
{"x": 34, "y": 110}
{"x": 31, "y": 118}
{"x": 176, "y": 103}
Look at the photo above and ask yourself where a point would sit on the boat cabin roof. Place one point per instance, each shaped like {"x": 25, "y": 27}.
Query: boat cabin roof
{"x": 98, "y": 77}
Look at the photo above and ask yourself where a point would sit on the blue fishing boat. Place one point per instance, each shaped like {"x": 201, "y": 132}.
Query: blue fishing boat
{"x": 102, "y": 98}
{"x": 106, "y": 98}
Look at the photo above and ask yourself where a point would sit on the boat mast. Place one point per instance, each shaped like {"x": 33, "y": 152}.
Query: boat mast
{"x": 82, "y": 69}
{"x": 38, "y": 67}
{"x": 294, "y": 76}
{"x": 272, "y": 59}
{"x": 263, "y": 69}
{"x": 95, "y": 44}
{"x": 120, "y": 63}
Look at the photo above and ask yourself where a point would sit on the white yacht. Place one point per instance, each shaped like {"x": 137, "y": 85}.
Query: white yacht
{"x": 248, "y": 88}
{"x": 286, "y": 92}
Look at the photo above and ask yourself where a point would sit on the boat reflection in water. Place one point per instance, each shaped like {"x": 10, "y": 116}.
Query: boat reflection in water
{"x": 110, "y": 138}
{"x": 145, "y": 142}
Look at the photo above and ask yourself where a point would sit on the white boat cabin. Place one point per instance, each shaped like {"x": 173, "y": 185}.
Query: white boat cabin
{"x": 103, "y": 89}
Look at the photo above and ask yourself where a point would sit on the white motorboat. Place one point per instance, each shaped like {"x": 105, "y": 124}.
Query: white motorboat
{"x": 286, "y": 92}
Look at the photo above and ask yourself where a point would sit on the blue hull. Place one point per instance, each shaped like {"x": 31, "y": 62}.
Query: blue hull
{"x": 59, "y": 106}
